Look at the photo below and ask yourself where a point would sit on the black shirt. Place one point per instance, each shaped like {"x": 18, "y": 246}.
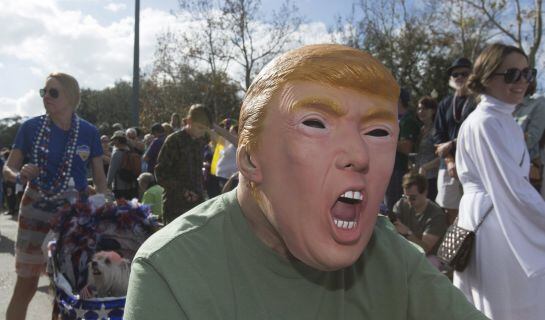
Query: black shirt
{"x": 448, "y": 120}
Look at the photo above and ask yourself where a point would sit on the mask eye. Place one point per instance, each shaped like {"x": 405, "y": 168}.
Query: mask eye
{"x": 378, "y": 133}
{"x": 314, "y": 123}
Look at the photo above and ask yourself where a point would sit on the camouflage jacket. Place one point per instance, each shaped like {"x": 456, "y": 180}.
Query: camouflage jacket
{"x": 179, "y": 169}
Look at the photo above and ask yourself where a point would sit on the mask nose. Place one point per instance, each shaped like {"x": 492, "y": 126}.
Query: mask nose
{"x": 354, "y": 153}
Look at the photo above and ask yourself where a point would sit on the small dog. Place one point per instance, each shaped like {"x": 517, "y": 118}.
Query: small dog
{"x": 108, "y": 276}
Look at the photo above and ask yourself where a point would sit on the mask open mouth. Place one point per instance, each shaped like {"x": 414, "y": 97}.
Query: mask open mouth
{"x": 346, "y": 208}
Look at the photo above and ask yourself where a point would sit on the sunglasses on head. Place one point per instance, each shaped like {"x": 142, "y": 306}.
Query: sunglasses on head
{"x": 513, "y": 75}
{"x": 53, "y": 93}
{"x": 459, "y": 74}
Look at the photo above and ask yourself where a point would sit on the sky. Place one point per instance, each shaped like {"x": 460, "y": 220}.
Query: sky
{"x": 93, "y": 41}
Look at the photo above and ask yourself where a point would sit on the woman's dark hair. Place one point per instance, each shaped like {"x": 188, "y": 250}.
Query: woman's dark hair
{"x": 428, "y": 102}
{"x": 487, "y": 63}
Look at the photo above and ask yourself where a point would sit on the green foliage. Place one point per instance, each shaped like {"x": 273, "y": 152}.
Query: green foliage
{"x": 160, "y": 98}
{"x": 8, "y": 130}
{"x": 416, "y": 44}
{"x": 108, "y": 106}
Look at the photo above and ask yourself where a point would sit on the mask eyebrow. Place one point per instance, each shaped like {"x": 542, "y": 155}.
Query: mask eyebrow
{"x": 379, "y": 114}
{"x": 320, "y": 104}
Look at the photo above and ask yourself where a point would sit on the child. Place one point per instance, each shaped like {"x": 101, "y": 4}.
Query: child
{"x": 151, "y": 193}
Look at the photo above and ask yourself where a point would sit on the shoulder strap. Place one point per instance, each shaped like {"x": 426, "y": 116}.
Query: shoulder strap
{"x": 484, "y": 217}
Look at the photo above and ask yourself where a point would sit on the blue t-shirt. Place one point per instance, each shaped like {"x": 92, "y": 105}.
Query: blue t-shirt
{"x": 87, "y": 147}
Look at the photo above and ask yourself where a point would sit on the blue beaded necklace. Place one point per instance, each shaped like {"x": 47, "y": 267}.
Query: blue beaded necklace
{"x": 51, "y": 189}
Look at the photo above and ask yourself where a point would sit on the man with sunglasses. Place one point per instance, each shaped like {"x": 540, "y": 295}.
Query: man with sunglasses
{"x": 419, "y": 220}
{"x": 451, "y": 112}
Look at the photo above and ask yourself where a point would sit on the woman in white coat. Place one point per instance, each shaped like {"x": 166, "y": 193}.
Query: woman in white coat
{"x": 506, "y": 275}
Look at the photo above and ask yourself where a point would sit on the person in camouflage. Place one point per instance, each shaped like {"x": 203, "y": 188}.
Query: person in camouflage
{"x": 178, "y": 168}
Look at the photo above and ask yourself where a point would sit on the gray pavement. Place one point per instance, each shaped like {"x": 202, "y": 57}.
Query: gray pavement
{"x": 40, "y": 307}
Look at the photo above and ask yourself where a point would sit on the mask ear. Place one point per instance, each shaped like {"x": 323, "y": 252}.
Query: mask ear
{"x": 248, "y": 166}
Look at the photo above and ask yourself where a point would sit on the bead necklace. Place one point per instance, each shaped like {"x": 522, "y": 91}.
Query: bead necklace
{"x": 51, "y": 189}
{"x": 466, "y": 103}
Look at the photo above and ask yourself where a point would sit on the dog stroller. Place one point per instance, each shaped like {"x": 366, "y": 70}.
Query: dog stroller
{"x": 81, "y": 230}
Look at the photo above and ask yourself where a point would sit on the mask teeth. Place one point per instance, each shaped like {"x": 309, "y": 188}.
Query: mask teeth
{"x": 343, "y": 224}
{"x": 354, "y": 195}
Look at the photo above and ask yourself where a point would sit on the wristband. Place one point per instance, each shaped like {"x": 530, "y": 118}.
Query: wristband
{"x": 18, "y": 178}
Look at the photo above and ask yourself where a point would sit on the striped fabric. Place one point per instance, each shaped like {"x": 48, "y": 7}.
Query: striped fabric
{"x": 34, "y": 224}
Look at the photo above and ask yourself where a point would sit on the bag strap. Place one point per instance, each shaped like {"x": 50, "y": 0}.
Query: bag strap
{"x": 484, "y": 217}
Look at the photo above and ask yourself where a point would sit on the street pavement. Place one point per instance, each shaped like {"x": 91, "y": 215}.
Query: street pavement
{"x": 41, "y": 305}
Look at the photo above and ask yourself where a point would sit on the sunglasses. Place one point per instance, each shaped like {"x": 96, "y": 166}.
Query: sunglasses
{"x": 459, "y": 74}
{"x": 513, "y": 75}
{"x": 410, "y": 197}
{"x": 53, "y": 93}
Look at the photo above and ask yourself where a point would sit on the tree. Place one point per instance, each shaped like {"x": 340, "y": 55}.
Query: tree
{"x": 233, "y": 30}
{"x": 108, "y": 106}
{"x": 161, "y": 96}
{"x": 243, "y": 28}
{"x": 456, "y": 25}
{"x": 417, "y": 42}
{"x": 8, "y": 130}
{"x": 523, "y": 23}
{"x": 395, "y": 34}
{"x": 209, "y": 41}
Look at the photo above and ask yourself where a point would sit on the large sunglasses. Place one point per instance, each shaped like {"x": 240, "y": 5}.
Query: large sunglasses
{"x": 459, "y": 74}
{"x": 513, "y": 75}
{"x": 53, "y": 93}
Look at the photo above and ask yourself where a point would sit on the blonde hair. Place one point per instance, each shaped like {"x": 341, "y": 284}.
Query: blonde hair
{"x": 70, "y": 86}
{"x": 328, "y": 64}
{"x": 487, "y": 63}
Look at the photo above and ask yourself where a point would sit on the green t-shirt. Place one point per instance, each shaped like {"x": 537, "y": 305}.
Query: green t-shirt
{"x": 432, "y": 220}
{"x": 208, "y": 264}
{"x": 154, "y": 198}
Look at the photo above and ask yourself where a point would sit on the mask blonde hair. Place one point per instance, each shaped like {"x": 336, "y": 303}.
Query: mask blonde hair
{"x": 328, "y": 64}
{"x": 70, "y": 86}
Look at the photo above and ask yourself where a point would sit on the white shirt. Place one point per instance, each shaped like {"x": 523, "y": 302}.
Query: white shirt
{"x": 505, "y": 278}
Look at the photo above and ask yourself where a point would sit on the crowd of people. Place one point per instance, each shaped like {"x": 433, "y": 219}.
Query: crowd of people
{"x": 315, "y": 159}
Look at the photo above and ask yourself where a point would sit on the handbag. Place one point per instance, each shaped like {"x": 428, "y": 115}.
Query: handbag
{"x": 457, "y": 245}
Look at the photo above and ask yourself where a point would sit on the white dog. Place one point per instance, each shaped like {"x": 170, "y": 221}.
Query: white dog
{"x": 108, "y": 276}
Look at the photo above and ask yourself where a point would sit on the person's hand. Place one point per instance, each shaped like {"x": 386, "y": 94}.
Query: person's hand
{"x": 422, "y": 171}
{"x": 190, "y": 196}
{"x": 443, "y": 149}
{"x": 401, "y": 228}
{"x": 451, "y": 169}
{"x": 28, "y": 172}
